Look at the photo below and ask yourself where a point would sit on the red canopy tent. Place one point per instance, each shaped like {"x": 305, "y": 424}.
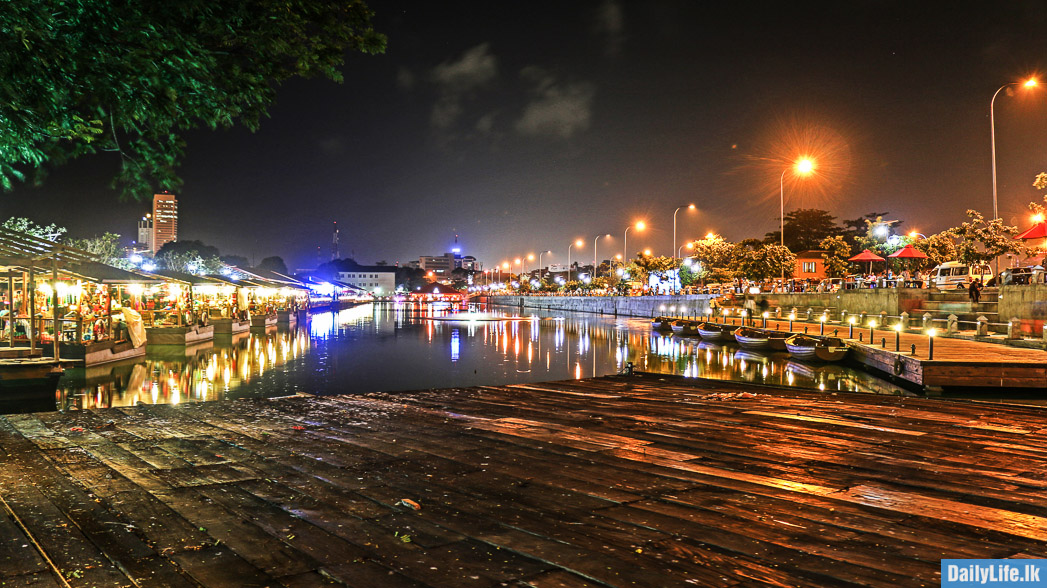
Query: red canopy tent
{"x": 867, "y": 255}
{"x": 1038, "y": 231}
{"x": 908, "y": 252}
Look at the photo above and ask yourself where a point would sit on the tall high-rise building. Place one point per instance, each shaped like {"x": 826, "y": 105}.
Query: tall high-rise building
{"x": 145, "y": 233}
{"x": 334, "y": 242}
{"x": 165, "y": 220}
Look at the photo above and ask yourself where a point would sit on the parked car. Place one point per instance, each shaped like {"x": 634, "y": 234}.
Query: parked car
{"x": 1022, "y": 275}
{"x": 954, "y": 274}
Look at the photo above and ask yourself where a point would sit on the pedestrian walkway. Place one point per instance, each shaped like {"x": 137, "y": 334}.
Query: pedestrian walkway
{"x": 639, "y": 481}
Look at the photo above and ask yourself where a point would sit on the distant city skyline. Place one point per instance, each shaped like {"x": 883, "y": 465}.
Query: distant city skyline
{"x": 621, "y": 111}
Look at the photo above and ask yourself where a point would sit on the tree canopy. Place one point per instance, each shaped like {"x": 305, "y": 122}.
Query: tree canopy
{"x": 273, "y": 264}
{"x": 86, "y": 76}
{"x": 804, "y": 229}
{"x": 51, "y": 232}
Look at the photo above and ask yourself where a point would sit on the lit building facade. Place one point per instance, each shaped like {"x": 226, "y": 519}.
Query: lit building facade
{"x": 378, "y": 280}
{"x": 165, "y": 220}
{"x": 145, "y": 233}
{"x": 810, "y": 265}
{"x": 448, "y": 262}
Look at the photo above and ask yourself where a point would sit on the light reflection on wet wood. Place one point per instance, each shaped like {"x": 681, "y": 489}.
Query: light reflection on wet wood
{"x": 620, "y": 481}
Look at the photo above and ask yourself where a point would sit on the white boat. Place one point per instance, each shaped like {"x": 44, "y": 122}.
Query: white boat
{"x": 806, "y": 348}
{"x": 716, "y": 332}
{"x": 662, "y": 323}
{"x": 685, "y": 327}
{"x": 752, "y": 338}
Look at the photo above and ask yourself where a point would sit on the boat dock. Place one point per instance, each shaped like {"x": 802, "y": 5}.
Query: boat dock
{"x": 637, "y": 480}
{"x": 956, "y": 362}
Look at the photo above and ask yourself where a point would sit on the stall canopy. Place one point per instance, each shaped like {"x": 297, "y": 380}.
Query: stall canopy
{"x": 27, "y": 251}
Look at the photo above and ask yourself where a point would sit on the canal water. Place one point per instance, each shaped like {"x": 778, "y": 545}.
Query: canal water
{"x": 387, "y": 347}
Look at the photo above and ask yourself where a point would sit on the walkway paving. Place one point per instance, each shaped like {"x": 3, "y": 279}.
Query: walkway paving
{"x": 621, "y": 481}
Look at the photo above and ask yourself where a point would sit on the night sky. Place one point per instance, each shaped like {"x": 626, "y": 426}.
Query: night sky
{"x": 521, "y": 126}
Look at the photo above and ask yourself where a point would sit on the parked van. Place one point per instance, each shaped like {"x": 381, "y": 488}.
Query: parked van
{"x": 953, "y": 274}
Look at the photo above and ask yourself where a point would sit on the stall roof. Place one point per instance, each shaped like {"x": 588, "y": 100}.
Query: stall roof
{"x": 273, "y": 277}
{"x": 23, "y": 249}
{"x": 94, "y": 271}
{"x": 194, "y": 279}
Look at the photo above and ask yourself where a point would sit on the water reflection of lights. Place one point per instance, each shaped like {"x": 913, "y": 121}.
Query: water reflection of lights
{"x": 322, "y": 325}
{"x": 574, "y": 347}
{"x": 208, "y": 375}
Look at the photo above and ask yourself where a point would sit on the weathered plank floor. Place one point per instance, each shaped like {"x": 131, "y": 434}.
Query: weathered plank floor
{"x": 620, "y": 481}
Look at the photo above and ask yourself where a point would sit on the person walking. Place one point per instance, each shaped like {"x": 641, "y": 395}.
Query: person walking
{"x": 975, "y": 290}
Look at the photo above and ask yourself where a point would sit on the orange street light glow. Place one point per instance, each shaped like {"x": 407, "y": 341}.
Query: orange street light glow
{"x": 1037, "y": 218}
{"x": 641, "y": 226}
{"x": 646, "y": 251}
{"x": 804, "y": 166}
{"x": 578, "y": 243}
{"x": 1031, "y": 83}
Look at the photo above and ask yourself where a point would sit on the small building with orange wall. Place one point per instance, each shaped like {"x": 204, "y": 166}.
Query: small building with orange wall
{"x": 810, "y": 265}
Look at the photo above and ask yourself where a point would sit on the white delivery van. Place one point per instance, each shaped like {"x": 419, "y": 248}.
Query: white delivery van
{"x": 952, "y": 274}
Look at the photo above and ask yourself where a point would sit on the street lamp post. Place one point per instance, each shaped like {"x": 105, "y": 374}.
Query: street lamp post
{"x": 595, "y": 263}
{"x": 803, "y": 167}
{"x": 1030, "y": 83}
{"x": 689, "y": 207}
{"x": 625, "y": 240}
{"x": 540, "y": 254}
{"x": 579, "y": 244}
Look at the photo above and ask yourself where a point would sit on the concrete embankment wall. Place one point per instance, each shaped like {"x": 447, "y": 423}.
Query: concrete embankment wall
{"x": 1027, "y": 302}
{"x": 893, "y": 301}
{"x": 873, "y": 301}
{"x": 642, "y": 306}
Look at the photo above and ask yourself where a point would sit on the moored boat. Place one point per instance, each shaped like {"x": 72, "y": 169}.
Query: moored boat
{"x": 685, "y": 327}
{"x": 776, "y": 340}
{"x": 752, "y": 338}
{"x": 716, "y": 332}
{"x": 806, "y": 348}
{"x": 662, "y": 323}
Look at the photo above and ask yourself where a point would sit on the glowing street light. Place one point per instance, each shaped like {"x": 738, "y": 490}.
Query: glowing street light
{"x": 803, "y": 167}
{"x": 1029, "y": 83}
{"x": 640, "y": 225}
{"x": 689, "y": 207}
{"x": 578, "y": 244}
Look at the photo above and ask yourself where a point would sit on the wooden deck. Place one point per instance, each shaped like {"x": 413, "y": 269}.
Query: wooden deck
{"x": 621, "y": 481}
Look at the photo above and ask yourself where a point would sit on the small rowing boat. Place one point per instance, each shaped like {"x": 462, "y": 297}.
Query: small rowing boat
{"x": 806, "y": 348}
{"x": 662, "y": 323}
{"x": 685, "y": 327}
{"x": 716, "y": 332}
{"x": 754, "y": 339}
